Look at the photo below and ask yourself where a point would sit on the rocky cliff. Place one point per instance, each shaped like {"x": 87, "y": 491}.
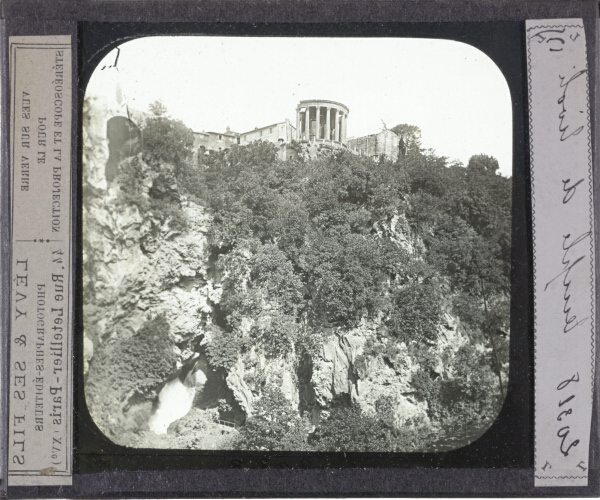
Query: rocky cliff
{"x": 138, "y": 267}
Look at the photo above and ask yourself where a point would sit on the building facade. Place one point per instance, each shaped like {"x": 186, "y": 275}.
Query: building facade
{"x": 278, "y": 133}
{"x": 322, "y": 121}
{"x": 385, "y": 144}
{"x": 214, "y": 141}
{"x": 320, "y": 124}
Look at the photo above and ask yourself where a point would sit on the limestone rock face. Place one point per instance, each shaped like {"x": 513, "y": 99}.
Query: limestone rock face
{"x": 345, "y": 372}
{"x": 126, "y": 285}
{"x": 398, "y": 230}
{"x": 254, "y": 370}
{"x": 135, "y": 267}
{"x": 448, "y": 343}
{"x": 104, "y": 100}
{"x": 383, "y": 380}
{"x": 333, "y": 370}
{"x": 340, "y": 374}
{"x": 241, "y": 392}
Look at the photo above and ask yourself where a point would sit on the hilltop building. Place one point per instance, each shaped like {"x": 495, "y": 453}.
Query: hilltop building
{"x": 214, "y": 141}
{"x": 277, "y": 133}
{"x": 322, "y": 121}
{"x": 385, "y": 144}
{"x": 320, "y": 124}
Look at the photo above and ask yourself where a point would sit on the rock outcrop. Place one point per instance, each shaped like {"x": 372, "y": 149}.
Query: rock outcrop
{"x": 136, "y": 267}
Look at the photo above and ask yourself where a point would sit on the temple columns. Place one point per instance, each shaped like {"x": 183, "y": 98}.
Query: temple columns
{"x": 318, "y": 123}
{"x": 307, "y": 124}
{"x": 324, "y": 128}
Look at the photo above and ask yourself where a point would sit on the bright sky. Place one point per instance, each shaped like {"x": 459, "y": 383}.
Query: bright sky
{"x": 453, "y": 92}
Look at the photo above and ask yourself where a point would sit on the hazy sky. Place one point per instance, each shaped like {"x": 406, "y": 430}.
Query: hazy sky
{"x": 453, "y": 92}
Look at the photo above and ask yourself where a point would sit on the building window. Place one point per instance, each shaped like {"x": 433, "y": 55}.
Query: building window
{"x": 271, "y": 130}
{"x": 261, "y": 133}
{"x": 220, "y": 137}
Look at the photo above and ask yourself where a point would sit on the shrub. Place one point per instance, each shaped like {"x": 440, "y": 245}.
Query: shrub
{"x": 274, "y": 425}
{"x": 416, "y": 313}
{"x": 224, "y": 349}
{"x": 168, "y": 213}
{"x": 278, "y": 335}
{"x": 271, "y": 270}
{"x": 136, "y": 365}
{"x": 348, "y": 429}
{"x": 131, "y": 180}
{"x": 140, "y": 362}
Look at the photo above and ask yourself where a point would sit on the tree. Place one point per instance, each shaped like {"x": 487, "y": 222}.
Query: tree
{"x": 416, "y": 313}
{"x": 348, "y": 429}
{"x": 483, "y": 163}
{"x": 166, "y": 140}
{"x": 347, "y": 274}
{"x": 127, "y": 368}
{"x": 274, "y": 425}
{"x": 410, "y": 139}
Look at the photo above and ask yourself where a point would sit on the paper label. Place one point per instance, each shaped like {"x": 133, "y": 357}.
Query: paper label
{"x": 40, "y": 443}
{"x": 563, "y": 247}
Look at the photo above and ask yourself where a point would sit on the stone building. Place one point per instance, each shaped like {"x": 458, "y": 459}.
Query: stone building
{"x": 214, "y": 141}
{"x": 322, "y": 121}
{"x": 278, "y": 133}
{"x": 281, "y": 134}
{"x": 385, "y": 144}
{"x": 320, "y": 125}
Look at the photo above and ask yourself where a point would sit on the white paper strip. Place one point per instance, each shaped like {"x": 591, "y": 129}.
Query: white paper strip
{"x": 40, "y": 443}
{"x": 563, "y": 247}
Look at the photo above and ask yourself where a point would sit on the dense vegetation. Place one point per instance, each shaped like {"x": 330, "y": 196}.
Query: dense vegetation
{"x": 309, "y": 246}
{"x": 128, "y": 369}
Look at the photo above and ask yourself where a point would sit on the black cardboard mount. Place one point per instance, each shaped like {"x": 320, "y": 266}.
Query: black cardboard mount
{"x": 500, "y": 463}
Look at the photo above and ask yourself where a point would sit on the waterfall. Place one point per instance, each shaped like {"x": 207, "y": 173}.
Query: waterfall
{"x": 175, "y": 401}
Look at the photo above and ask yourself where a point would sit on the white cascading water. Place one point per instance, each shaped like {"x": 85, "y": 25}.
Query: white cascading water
{"x": 174, "y": 401}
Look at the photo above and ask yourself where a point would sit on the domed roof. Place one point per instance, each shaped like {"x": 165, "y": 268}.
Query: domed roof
{"x": 322, "y": 102}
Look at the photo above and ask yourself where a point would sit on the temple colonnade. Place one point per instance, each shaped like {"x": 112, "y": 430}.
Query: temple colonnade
{"x": 321, "y": 120}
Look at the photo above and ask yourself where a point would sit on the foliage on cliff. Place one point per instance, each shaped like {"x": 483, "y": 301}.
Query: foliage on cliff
{"x": 167, "y": 150}
{"x": 166, "y": 140}
{"x": 311, "y": 246}
{"x": 274, "y": 426}
{"x": 126, "y": 370}
{"x": 306, "y": 246}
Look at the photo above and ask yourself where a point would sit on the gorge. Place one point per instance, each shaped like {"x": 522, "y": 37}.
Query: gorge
{"x": 209, "y": 310}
